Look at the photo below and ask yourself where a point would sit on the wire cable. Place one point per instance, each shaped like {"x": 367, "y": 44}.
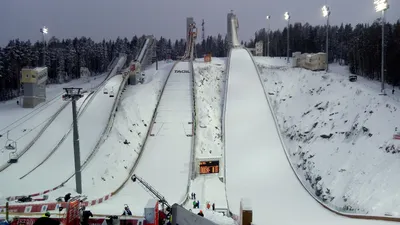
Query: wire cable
{"x": 35, "y": 111}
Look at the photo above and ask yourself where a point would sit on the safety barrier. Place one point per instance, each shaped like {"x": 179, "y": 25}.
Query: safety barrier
{"x": 43, "y": 207}
{"x": 329, "y": 207}
{"x": 11, "y": 198}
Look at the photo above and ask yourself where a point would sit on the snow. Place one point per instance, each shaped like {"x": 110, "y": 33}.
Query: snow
{"x": 209, "y": 87}
{"x": 25, "y": 123}
{"x": 358, "y": 164}
{"x": 164, "y": 160}
{"x": 60, "y": 165}
{"x": 33, "y": 157}
{"x": 111, "y": 165}
{"x": 215, "y": 216}
{"x": 208, "y": 188}
{"x": 257, "y": 163}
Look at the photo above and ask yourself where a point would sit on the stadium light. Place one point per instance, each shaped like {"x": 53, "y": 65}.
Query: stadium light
{"x": 287, "y": 18}
{"x": 268, "y": 30}
{"x": 382, "y": 6}
{"x": 44, "y": 30}
{"x": 326, "y": 13}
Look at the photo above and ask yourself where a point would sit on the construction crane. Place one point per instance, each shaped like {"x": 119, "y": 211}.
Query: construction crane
{"x": 153, "y": 192}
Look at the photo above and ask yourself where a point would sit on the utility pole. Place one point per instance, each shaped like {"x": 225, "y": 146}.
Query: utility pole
{"x": 326, "y": 13}
{"x": 268, "y": 28}
{"x": 287, "y": 17}
{"x": 382, "y": 6}
{"x": 73, "y": 94}
{"x": 44, "y": 31}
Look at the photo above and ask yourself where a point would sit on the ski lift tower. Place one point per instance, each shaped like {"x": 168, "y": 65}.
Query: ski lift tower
{"x": 73, "y": 94}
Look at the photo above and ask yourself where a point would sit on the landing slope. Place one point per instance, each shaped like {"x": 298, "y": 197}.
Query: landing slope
{"x": 164, "y": 162}
{"x": 256, "y": 161}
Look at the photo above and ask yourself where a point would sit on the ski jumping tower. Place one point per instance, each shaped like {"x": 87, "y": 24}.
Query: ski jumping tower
{"x": 231, "y": 16}
{"x": 189, "y": 22}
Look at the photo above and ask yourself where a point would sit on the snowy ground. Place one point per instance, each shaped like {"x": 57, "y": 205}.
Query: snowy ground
{"x": 339, "y": 135}
{"x": 60, "y": 164}
{"x": 209, "y": 87}
{"x": 209, "y": 91}
{"x": 256, "y": 160}
{"x": 165, "y": 157}
{"x": 25, "y": 123}
{"x": 111, "y": 164}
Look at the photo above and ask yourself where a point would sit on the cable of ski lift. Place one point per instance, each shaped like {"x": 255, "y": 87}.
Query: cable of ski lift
{"x": 34, "y": 112}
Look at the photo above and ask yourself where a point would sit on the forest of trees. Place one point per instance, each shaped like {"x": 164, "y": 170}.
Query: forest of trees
{"x": 359, "y": 47}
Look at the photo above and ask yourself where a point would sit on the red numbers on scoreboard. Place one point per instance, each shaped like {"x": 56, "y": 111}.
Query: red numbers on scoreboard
{"x": 209, "y": 167}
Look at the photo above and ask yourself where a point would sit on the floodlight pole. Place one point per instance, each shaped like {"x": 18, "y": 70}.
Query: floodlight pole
{"x": 44, "y": 31}
{"x": 327, "y": 40}
{"x": 268, "y": 29}
{"x": 74, "y": 96}
{"x": 382, "y": 53}
{"x": 288, "y": 25}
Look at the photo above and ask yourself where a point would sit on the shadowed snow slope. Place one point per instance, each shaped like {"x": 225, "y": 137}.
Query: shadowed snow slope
{"x": 339, "y": 135}
{"x": 256, "y": 164}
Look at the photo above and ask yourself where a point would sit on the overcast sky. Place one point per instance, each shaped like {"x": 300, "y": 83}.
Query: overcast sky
{"x": 109, "y": 19}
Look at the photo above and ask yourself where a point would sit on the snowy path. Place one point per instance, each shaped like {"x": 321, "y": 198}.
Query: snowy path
{"x": 256, "y": 161}
{"x": 61, "y": 164}
{"x": 164, "y": 163}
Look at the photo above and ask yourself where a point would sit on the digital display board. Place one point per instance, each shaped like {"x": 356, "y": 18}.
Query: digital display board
{"x": 207, "y": 167}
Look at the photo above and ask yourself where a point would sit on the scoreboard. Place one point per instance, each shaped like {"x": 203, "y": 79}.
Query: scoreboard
{"x": 207, "y": 167}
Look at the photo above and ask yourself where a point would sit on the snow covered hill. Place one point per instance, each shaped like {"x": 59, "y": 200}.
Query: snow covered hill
{"x": 209, "y": 84}
{"x": 339, "y": 135}
{"x": 209, "y": 87}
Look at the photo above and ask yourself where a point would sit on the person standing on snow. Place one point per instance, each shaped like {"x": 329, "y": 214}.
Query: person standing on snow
{"x": 208, "y": 205}
{"x": 194, "y": 204}
{"x": 194, "y": 196}
{"x": 213, "y": 206}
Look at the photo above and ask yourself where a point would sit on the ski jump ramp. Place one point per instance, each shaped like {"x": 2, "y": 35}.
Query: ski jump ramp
{"x": 257, "y": 167}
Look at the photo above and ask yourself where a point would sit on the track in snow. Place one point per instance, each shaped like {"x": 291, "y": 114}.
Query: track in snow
{"x": 164, "y": 162}
{"x": 256, "y": 161}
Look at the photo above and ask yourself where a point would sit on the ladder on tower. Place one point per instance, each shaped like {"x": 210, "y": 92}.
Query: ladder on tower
{"x": 152, "y": 191}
